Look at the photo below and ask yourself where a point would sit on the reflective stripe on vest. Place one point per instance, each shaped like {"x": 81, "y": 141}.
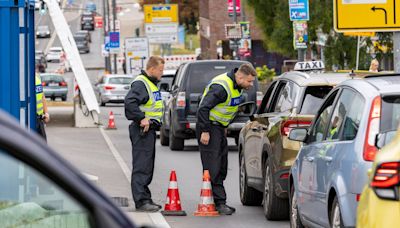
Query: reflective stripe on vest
{"x": 39, "y": 95}
{"x": 154, "y": 107}
{"x": 224, "y": 112}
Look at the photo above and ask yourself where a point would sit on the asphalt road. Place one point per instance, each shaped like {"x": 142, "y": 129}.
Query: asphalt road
{"x": 189, "y": 173}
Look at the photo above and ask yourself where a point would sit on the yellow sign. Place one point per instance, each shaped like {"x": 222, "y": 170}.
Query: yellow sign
{"x": 366, "y": 15}
{"x": 370, "y": 34}
{"x": 161, "y": 13}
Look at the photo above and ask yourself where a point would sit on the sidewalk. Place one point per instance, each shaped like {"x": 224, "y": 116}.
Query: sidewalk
{"x": 87, "y": 149}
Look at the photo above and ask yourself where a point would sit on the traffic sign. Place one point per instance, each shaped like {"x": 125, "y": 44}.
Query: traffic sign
{"x": 163, "y": 28}
{"x": 114, "y": 40}
{"x": 299, "y": 10}
{"x": 366, "y": 15}
{"x": 136, "y": 54}
{"x": 230, "y": 7}
{"x": 98, "y": 21}
{"x": 161, "y": 13}
{"x": 163, "y": 38}
{"x": 369, "y": 34}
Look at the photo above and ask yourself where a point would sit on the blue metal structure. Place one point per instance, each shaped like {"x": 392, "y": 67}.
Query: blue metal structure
{"x": 17, "y": 53}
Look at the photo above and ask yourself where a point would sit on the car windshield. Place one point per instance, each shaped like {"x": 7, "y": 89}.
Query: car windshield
{"x": 53, "y": 78}
{"x": 120, "y": 81}
{"x": 79, "y": 38}
{"x": 313, "y": 97}
{"x": 86, "y": 18}
{"x": 43, "y": 28}
{"x": 201, "y": 74}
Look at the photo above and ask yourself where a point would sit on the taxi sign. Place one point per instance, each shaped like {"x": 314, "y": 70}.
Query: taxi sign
{"x": 309, "y": 65}
{"x": 161, "y": 13}
{"x": 365, "y": 15}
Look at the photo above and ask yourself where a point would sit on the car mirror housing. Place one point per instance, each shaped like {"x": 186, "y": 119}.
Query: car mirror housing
{"x": 247, "y": 108}
{"x": 164, "y": 87}
{"x": 298, "y": 134}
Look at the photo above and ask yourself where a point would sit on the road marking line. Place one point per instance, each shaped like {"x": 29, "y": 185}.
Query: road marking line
{"x": 117, "y": 156}
{"x": 159, "y": 220}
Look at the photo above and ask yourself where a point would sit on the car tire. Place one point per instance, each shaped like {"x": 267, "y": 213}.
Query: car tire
{"x": 101, "y": 103}
{"x": 275, "y": 208}
{"x": 164, "y": 139}
{"x": 237, "y": 140}
{"x": 295, "y": 220}
{"x": 336, "y": 220}
{"x": 64, "y": 98}
{"x": 174, "y": 142}
{"x": 248, "y": 195}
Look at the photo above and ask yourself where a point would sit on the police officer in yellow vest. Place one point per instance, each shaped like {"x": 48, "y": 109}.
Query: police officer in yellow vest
{"x": 217, "y": 109}
{"x": 41, "y": 108}
{"x": 143, "y": 105}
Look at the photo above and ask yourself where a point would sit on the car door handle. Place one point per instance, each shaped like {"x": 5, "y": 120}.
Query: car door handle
{"x": 310, "y": 159}
{"x": 327, "y": 159}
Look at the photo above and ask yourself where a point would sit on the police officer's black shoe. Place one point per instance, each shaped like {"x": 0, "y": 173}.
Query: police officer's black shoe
{"x": 148, "y": 207}
{"x": 233, "y": 209}
{"x": 159, "y": 206}
{"x": 223, "y": 209}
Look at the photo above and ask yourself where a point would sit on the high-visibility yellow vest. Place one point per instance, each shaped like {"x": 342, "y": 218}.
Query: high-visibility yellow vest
{"x": 39, "y": 95}
{"x": 154, "y": 107}
{"x": 224, "y": 112}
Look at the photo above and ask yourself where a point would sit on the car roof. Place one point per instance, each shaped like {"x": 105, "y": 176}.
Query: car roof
{"x": 314, "y": 79}
{"x": 169, "y": 72}
{"x": 118, "y": 76}
{"x": 216, "y": 61}
{"x": 388, "y": 83}
{"x": 55, "y": 49}
{"x": 50, "y": 74}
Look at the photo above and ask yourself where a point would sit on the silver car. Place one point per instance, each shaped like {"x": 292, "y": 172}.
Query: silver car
{"x": 54, "y": 54}
{"x": 54, "y": 85}
{"x": 113, "y": 88}
{"x": 330, "y": 171}
{"x": 43, "y": 31}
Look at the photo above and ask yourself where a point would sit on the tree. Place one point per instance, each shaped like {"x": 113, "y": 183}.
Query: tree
{"x": 273, "y": 16}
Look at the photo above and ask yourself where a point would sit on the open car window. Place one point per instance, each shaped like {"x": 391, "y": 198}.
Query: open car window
{"x": 30, "y": 199}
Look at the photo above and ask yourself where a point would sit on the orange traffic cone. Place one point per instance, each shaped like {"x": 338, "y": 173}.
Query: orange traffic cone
{"x": 111, "y": 123}
{"x": 206, "y": 206}
{"x": 173, "y": 204}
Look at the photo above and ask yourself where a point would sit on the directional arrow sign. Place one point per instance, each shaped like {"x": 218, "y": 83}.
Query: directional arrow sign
{"x": 366, "y": 15}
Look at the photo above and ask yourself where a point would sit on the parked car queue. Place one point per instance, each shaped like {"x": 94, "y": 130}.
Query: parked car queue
{"x": 312, "y": 166}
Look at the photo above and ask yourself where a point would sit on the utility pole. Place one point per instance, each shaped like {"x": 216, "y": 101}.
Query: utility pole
{"x": 105, "y": 20}
{"x": 114, "y": 6}
{"x": 235, "y": 41}
{"x": 396, "y": 52}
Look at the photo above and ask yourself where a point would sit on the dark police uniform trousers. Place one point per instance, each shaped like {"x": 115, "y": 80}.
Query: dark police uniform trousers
{"x": 41, "y": 130}
{"x": 214, "y": 158}
{"x": 143, "y": 155}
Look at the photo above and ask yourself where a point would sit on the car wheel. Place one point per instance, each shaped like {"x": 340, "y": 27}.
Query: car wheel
{"x": 101, "y": 103}
{"x": 164, "y": 139}
{"x": 174, "y": 142}
{"x": 53, "y": 98}
{"x": 275, "y": 208}
{"x": 295, "y": 221}
{"x": 237, "y": 140}
{"x": 248, "y": 195}
{"x": 336, "y": 215}
{"x": 64, "y": 98}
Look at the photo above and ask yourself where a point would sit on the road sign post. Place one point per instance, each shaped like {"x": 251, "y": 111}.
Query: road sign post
{"x": 299, "y": 14}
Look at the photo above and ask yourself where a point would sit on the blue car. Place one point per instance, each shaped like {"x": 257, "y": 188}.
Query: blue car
{"x": 91, "y": 7}
{"x": 330, "y": 171}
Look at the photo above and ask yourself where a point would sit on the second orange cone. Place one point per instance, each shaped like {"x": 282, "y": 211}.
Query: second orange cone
{"x": 206, "y": 206}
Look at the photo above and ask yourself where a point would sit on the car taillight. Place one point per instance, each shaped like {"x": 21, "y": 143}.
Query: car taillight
{"x": 181, "y": 99}
{"x": 109, "y": 87}
{"x": 43, "y": 83}
{"x": 290, "y": 124}
{"x": 259, "y": 98}
{"x": 386, "y": 180}
{"x": 63, "y": 84}
{"x": 372, "y": 130}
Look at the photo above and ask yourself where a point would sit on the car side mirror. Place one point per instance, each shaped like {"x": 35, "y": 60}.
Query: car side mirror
{"x": 298, "y": 134}
{"x": 247, "y": 108}
{"x": 174, "y": 87}
{"x": 164, "y": 87}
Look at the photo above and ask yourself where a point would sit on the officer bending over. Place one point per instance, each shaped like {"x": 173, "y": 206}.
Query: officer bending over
{"x": 218, "y": 108}
{"x": 143, "y": 105}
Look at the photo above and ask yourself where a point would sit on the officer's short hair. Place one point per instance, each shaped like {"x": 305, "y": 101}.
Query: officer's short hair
{"x": 154, "y": 61}
{"x": 247, "y": 69}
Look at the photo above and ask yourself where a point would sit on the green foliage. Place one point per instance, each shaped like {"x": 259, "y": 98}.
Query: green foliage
{"x": 265, "y": 74}
{"x": 340, "y": 51}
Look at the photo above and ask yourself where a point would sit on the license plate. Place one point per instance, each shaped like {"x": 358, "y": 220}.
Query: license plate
{"x": 53, "y": 84}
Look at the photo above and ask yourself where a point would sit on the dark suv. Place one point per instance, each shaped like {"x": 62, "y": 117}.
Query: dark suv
{"x": 179, "y": 120}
